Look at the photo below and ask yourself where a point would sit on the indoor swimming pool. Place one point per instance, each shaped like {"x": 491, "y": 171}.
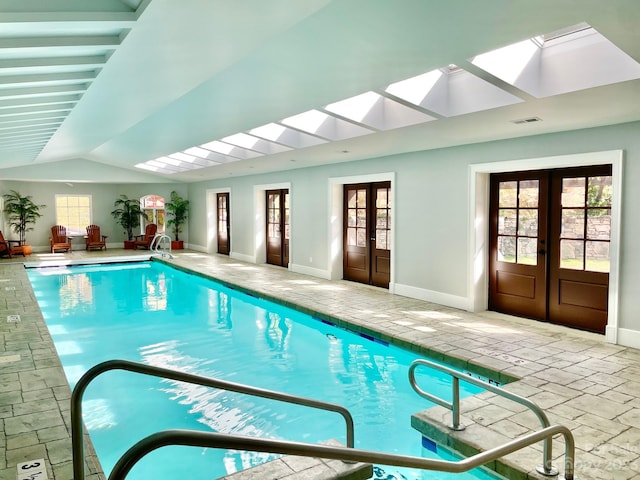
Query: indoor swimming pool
{"x": 151, "y": 313}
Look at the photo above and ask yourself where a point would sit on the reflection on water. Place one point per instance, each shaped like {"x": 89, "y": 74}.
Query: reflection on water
{"x": 155, "y": 288}
{"x": 170, "y": 319}
{"x": 76, "y": 293}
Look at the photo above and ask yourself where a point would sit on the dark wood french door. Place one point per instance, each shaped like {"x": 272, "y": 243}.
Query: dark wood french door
{"x": 224, "y": 225}
{"x": 278, "y": 227}
{"x": 367, "y": 233}
{"x": 518, "y": 243}
{"x": 549, "y": 242}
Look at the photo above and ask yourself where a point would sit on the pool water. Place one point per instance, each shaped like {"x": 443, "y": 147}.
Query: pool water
{"x": 151, "y": 313}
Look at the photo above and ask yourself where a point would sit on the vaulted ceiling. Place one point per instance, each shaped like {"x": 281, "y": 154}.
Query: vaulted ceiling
{"x": 90, "y": 90}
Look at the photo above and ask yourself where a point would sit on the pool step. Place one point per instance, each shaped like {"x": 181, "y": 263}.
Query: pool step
{"x": 292, "y": 467}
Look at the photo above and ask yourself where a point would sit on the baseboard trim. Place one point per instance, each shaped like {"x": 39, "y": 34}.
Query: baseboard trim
{"x": 314, "y": 272}
{"x": 628, "y": 338}
{"x": 432, "y": 296}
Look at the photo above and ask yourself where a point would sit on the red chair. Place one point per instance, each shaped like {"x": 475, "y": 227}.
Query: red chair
{"x": 7, "y": 249}
{"x": 93, "y": 238}
{"x": 59, "y": 239}
{"x": 144, "y": 241}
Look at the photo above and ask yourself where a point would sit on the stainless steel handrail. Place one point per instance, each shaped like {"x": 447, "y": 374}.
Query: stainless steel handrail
{"x": 546, "y": 468}
{"x": 154, "y": 246}
{"x": 237, "y": 442}
{"x": 77, "y": 428}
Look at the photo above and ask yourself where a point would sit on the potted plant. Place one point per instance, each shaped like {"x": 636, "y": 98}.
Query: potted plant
{"x": 21, "y": 212}
{"x": 178, "y": 210}
{"x": 127, "y": 213}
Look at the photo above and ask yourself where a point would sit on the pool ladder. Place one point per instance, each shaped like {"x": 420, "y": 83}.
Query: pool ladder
{"x": 346, "y": 454}
{"x": 158, "y": 241}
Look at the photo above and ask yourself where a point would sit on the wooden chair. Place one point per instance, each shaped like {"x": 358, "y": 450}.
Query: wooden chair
{"x": 144, "y": 241}
{"x": 59, "y": 239}
{"x": 93, "y": 239}
{"x": 7, "y": 250}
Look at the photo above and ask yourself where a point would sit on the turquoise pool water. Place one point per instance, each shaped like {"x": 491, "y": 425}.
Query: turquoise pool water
{"x": 151, "y": 313}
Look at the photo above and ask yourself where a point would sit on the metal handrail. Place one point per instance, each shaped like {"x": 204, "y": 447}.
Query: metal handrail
{"x": 237, "y": 442}
{"x": 154, "y": 246}
{"x": 546, "y": 468}
{"x": 77, "y": 428}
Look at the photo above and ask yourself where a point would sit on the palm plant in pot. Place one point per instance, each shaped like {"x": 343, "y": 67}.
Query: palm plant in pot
{"x": 128, "y": 213}
{"x": 22, "y": 213}
{"x": 178, "y": 211}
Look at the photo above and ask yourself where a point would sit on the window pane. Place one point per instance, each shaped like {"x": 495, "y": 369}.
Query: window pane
{"x": 153, "y": 201}
{"x": 351, "y": 237}
{"x": 362, "y": 198}
{"x": 572, "y": 223}
{"x": 381, "y": 200}
{"x": 597, "y": 257}
{"x": 573, "y": 192}
{"x": 381, "y": 219}
{"x": 527, "y": 252}
{"x": 352, "y": 199}
{"x": 507, "y": 194}
{"x": 382, "y": 239}
{"x": 507, "y": 221}
{"x": 351, "y": 220}
{"x": 528, "y": 223}
{"x": 528, "y": 197}
{"x": 571, "y": 254}
{"x": 361, "y": 218}
{"x": 507, "y": 249}
{"x": 599, "y": 224}
{"x": 362, "y": 237}
{"x": 599, "y": 192}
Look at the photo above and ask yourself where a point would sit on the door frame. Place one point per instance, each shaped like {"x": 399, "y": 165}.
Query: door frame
{"x": 478, "y": 231}
{"x": 336, "y": 220}
{"x": 212, "y": 220}
{"x": 260, "y": 220}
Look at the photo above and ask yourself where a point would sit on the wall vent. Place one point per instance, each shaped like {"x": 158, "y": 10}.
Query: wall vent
{"x": 526, "y": 120}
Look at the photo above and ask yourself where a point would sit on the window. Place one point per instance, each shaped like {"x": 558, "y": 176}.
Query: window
{"x": 74, "y": 212}
{"x": 153, "y": 206}
{"x": 586, "y": 223}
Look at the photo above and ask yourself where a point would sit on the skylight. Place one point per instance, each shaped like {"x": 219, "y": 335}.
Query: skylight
{"x": 451, "y": 91}
{"x": 563, "y": 61}
{"x": 373, "y": 110}
{"x": 310, "y": 121}
{"x": 568, "y": 60}
{"x": 356, "y": 108}
{"x": 415, "y": 89}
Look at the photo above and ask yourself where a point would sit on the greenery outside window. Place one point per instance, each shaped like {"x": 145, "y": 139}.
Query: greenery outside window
{"x": 74, "y": 212}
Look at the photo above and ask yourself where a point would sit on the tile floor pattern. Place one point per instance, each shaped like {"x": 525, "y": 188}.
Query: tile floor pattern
{"x": 581, "y": 381}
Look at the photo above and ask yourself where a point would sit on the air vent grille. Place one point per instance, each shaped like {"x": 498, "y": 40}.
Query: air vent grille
{"x": 526, "y": 120}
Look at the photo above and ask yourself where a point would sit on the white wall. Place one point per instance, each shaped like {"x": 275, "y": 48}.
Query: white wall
{"x": 103, "y": 196}
{"x": 432, "y": 237}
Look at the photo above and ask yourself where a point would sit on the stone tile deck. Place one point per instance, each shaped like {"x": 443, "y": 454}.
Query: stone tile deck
{"x": 582, "y": 382}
